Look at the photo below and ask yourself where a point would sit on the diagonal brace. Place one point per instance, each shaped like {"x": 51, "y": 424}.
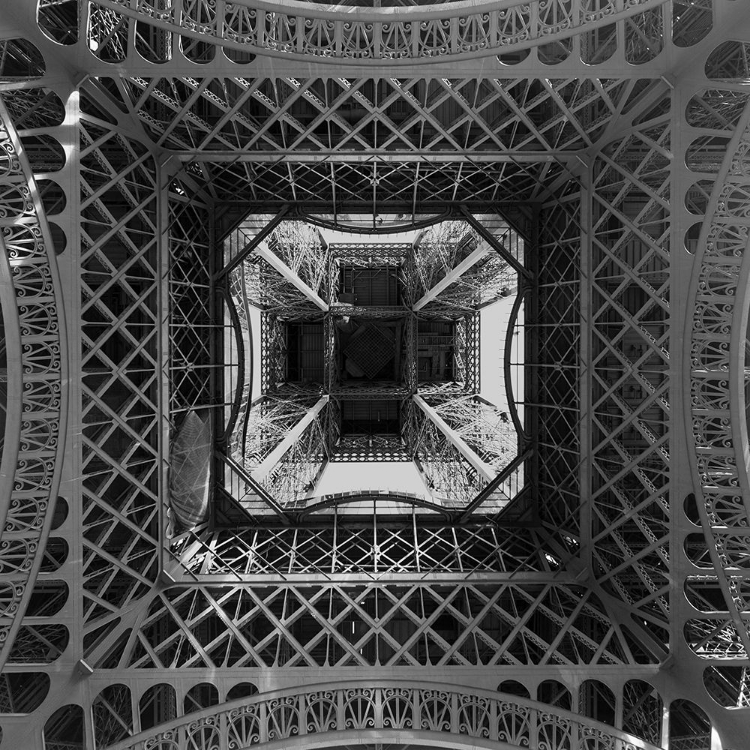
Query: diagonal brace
{"x": 275, "y": 262}
{"x": 252, "y": 245}
{"x": 485, "y": 470}
{"x": 453, "y": 275}
{"x": 495, "y": 243}
{"x": 266, "y": 466}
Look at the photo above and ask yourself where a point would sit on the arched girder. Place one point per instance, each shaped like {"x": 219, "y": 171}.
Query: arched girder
{"x": 342, "y": 500}
{"x": 355, "y": 36}
{"x": 36, "y": 402}
{"x": 418, "y": 713}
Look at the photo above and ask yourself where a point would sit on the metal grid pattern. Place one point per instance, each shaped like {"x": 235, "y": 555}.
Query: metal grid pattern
{"x": 371, "y": 350}
{"x": 630, "y": 355}
{"x": 118, "y": 30}
{"x": 624, "y": 204}
{"x": 300, "y": 247}
{"x": 342, "y": 548}
{"x": 270, "y": 419}
{"x": 121, "y": 410}
{"x": 193, "y": 318}
{"x": 381, "y": 623}
{"x": 487, "y": 431}
{"x": 442, "y": 135}
{"x": 450, "y": 478}
{"x": 270, "y": 291}
{"x": 554, "y": 321}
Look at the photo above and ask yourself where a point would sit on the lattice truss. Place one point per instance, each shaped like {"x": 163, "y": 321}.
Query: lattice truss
{"x": 273, "y": 352}
{"x": 292, "y": 451}
{"x": 392, "y": 625}
{"x": 439, "y": 250}
{"x": 268, "y": 290}
{"x": 120, "y": 363}
{"x": 237, "y": 324}
{"x": 191, "y": 311}
{"x": 415, "y": 114}
{"x": 33, "y": 373}
{"x": 554, "y": 323}
{"x": 636, "y": 552}
{"x": 446, "y": 139}
{"x": 300, "y": 247}
{"x": 270, "y": 420}
{"x": 450, "y": 477}
{"x": 292, "y": 475}
{"x": 482, "y": 285}
{"x": 481, "y": 274}
{"x": 466, "y": 352}
{"x": 630, "y": 358}
{"x": 119, "y": 32}
{"x": 484, "y": 427}
{"x": 397, "y": 256}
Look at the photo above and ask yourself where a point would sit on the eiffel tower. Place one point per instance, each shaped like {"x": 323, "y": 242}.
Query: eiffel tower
{"x": 374, "y": 374}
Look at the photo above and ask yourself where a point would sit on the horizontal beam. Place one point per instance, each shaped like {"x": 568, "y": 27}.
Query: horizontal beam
{"x": 374, "y": 156}
{"x": 414, "y": 578}
{"x": 453, "y": 275}
{"x": 481, "y": 467}
{"x": 274, "y": 261}
{"x": 266, "y": 466}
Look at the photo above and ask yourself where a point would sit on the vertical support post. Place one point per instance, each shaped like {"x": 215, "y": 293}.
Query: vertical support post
{"x": 217, "y": 335}
{"x": 375, "y": 547}
{"x": 665, "y": 725}
{"x": 163, "y": 174}
{"x": 334, "y": 546}
{"x": 69, "y": 267}
{"x": 321, "y": 469}
{"x": 423, "y": 476}
{"x": 417, "y": 555}
{"x": 584, "y": 383}
{"x": 12, "y": 379}
{"x": 682, "y": 268}
{"x": 531, "y": 347}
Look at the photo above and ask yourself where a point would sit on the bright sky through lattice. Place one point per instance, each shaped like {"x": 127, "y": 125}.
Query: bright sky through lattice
{"x": 481, "y": 438}
{"x": 404, "y": 477}
{"x": 394, "y": 476}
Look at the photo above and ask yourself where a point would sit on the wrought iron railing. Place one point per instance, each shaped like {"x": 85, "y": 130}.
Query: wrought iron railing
{"x": 351, "y": 708}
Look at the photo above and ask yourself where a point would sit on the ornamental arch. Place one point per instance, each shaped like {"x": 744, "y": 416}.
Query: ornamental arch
{"x": 398, "y": 714}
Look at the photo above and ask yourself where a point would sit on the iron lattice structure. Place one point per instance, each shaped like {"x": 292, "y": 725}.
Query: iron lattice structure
{"x": 404, "y": 303}
{"x": 610, "y": 609}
